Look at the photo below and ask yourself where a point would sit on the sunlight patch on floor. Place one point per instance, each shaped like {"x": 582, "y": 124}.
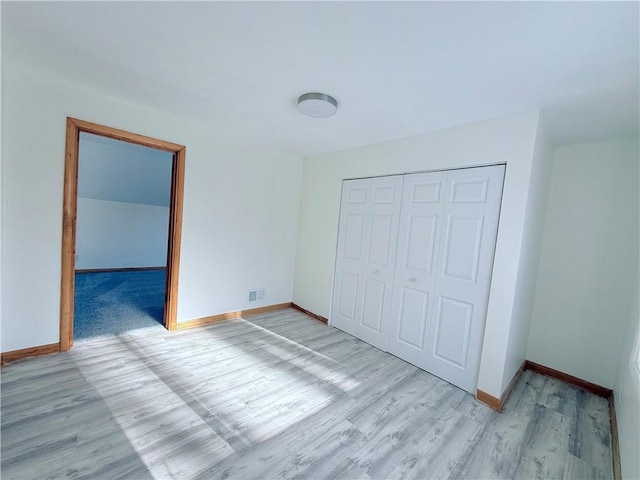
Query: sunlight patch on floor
{"x": 161, "y": 416}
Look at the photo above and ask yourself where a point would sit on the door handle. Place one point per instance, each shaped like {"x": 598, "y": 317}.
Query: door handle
{"x": 412, "y": 279}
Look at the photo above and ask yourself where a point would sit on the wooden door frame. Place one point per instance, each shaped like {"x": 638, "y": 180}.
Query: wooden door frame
{"x": 69, "y": 215}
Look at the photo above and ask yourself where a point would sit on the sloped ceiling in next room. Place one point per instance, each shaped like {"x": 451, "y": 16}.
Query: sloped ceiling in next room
{"x": 118, "y": 171}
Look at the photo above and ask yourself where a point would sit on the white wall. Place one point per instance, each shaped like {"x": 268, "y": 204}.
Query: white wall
{"x": 509, "y": 139}
{"x": 120, "y": 234}
{"x": 240, "y": 207}
{"x": 586, "y": 268}
{"x": 529, "y": 254}
{"x": 2, "y": 176}
{"x": 627, "y": 390}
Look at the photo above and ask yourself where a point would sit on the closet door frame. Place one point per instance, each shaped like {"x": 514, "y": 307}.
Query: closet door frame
{"x": 427, "y": 334}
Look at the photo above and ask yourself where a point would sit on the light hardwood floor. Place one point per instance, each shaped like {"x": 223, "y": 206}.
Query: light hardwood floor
{"x": 280, "y": 395}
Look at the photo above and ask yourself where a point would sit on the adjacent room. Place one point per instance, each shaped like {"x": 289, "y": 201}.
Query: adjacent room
{"x": 121, "y": 236}
{"x": 320, "y": 240}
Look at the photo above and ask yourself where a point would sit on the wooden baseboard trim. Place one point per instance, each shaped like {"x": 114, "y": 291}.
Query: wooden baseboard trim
{"x": 498, "y": 403}
{"x": 311, "y": 314}
{"x": 13, "y": 355}
{"x": 489, "y": 400}
{"x": 615, "y": 443}
{"x": 197, "y": 322}
{"x": 127, "y": 269}
{"x": 570, "y": 379}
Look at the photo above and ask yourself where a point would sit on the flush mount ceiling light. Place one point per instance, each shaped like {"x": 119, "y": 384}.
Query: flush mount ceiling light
{"x": 319, "y": 105}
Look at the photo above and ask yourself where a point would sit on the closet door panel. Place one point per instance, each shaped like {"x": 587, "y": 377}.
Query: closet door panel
{"x": 471, "y": 208}
{"x": 382, "y": 239}
{"x": 413, "y": 316}
{"x": 348, "y": 295}
{"x": 420, "y": 242}
{"x": 354, "y": 230}
{"x": 414, "y": 285}
{"x": 347, "y": 288}
{"x": 381, "y": 230}
{"x": 452, "y": 328}
{"x": 373, "y": 305}
{"x": 462, "y": 241}
{"x": 365, "y": 257}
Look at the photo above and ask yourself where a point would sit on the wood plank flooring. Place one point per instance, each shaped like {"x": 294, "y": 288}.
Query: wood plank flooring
{"x": 280, "y": 395}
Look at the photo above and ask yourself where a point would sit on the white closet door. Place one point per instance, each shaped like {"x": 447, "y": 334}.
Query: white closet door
{"x": 465, "y": 259}
{"x": 365, "y": 262}
{"x": 349, "y": 256}
{"x": 415, "y": 277}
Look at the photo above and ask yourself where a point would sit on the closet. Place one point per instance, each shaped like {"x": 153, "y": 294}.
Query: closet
{"x": 413, "y": 266}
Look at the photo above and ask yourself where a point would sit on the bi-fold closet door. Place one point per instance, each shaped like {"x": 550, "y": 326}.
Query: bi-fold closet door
{"x": 365, "y": 261}
{"x": 440, "y": 257}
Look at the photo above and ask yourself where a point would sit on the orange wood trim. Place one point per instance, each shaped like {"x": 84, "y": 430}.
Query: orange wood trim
{"x": 69, "y": 210}
{"x": 615, "y": 443}
{"x": 123, "y": 135}
{"x": 570, "y": 379}
{"x": 13, "y": 355}
{"x": 490, "y": 400}
{"x": 175, "y": 239}
{"x": 67, "y": 276}
{"x": 311, "y": 314}
{"x": 198, "y": 322}
{"x": 125, "y": 269}
{"x": 498, "y": 403}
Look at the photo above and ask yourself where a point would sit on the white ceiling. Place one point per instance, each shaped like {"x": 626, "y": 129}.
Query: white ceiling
{"x": 396, "y": 69}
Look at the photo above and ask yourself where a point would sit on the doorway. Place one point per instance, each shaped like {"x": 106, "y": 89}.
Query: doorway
{"x": 70, "y": 210}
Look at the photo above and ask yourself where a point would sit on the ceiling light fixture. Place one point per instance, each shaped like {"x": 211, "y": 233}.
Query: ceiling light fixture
{"x": 318, "y": 105}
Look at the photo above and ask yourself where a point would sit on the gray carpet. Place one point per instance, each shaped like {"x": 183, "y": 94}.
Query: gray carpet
{"x": 110, "y": 303}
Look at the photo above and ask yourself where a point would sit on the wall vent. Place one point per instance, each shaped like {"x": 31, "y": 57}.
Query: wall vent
{"x": 257, "y": 294}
